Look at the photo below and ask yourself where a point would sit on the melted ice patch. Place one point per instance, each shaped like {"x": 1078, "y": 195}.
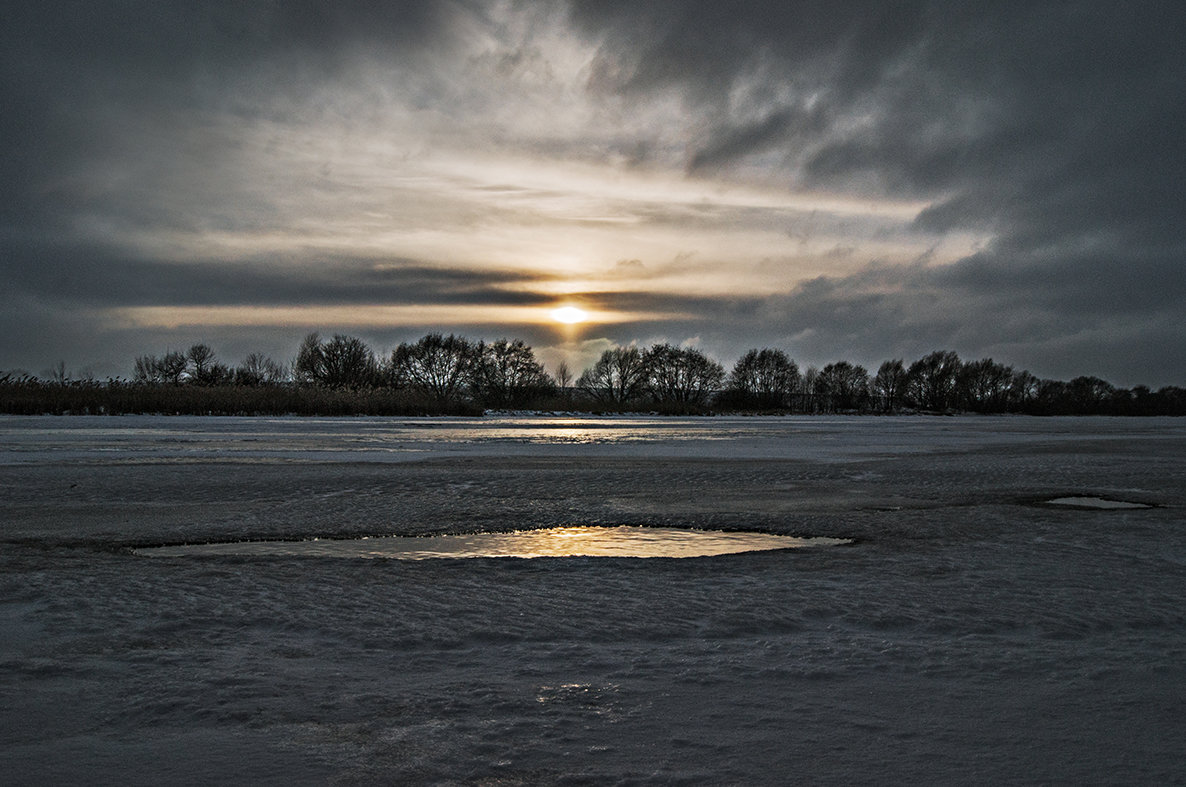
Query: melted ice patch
{"x": 624, "y": 541}
{"x": 1082, "y": 501}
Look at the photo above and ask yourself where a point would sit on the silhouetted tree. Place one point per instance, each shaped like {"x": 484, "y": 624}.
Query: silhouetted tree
{"x": 506, "y": 374}
{"x": 932, "y": 380}
{"x": 169, "y": 368}
{"x": 680, "y": 375}
{"x": 437, "y": 365}
{"x": 563, "y": 375}
{"x": 763, "y": 378}
{"x": 843, "y": 385}
{"x": 204, "y": 369}
{"x": 810, "y": 378}
{"x": 309, "y": 366}
{"x": 172, "y": 366}
{"x": 200, "y": 358}
{"x": 1053, "y": 398}
{"x": 1090, "y": 394}
{"x": 983, "y": 386}
{"x": 1121, "y": 402}
{"x": 346, "y": 362}
{"x": 890, "y": 383}
{"x": 258, "y": 369}
{"x": 618, "y": 377}
{"x": 144, "y": 370}
{"x": 1171, "y": 400}
{"x": 1023, "y": 390}
{"x": 564, "y": 380}
{"x": 342, "y": 362}
{"x": 1141, "y": 400}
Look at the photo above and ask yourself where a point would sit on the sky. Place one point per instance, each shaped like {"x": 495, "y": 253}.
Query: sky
{"x": 853, "y": 181}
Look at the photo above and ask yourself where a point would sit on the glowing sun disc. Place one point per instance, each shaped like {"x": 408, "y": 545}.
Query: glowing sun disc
{"x": 569, "y": 314}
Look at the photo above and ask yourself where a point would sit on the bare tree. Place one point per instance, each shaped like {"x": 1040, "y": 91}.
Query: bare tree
{"x": 346, "y": 362}
{"x": 810, "y": 378}
{"x": 145, "y": 369}
{"x": 843, "y": 386}
{"x": 764, "y": 377}
{"x": 169, "y": 368}
{"x": 258, "y": 369}
{"x": 932, "y": 380}
{"x": 438, "y": 365}
{"x": 309, "y": 366}
{"x": 681, "y": 375}
{"x": 617, "y": 378}
{"x": 983, "y": 385}
{"x": 200, "y": 357}
{"x": 505, "y": 373}
{"x": 203, "y": 367}
{"x": 563, "y": 378}
{"x": 1089, "y": 394}
{"x": 342, "y": 362}
{"x": 563, "y": 375}
{"x": 172, "y": 366}
{"x": 1023, "y": 389}
{"x": 890, "y": 383}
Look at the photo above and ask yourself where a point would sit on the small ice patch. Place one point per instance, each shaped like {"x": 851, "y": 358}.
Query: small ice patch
{"x": 1082, "y": 501}
{"x": 621, "y": 541}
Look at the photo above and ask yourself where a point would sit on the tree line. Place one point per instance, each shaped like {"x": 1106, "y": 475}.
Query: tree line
{"x": 440, "y": 374}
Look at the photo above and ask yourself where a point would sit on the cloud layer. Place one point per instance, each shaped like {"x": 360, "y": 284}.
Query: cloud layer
{"x": 860, "y": 181}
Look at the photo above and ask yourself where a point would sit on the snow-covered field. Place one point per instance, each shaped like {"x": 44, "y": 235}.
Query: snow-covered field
{"x": 972, "y": 633}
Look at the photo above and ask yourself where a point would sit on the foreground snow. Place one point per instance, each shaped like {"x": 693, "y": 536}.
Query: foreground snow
{"x": 972, "y": 633}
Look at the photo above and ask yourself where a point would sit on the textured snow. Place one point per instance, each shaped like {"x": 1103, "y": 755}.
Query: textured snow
{"x": 972, "y": 633}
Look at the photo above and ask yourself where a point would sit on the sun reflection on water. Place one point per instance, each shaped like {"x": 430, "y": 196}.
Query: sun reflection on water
{"x": 576, "y": 541}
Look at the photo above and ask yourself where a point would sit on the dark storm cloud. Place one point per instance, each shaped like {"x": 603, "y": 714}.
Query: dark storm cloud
{"x": 102, "y": 279}
{"x": 94, "y": 91}
{"x": 1057, "y": 127}
{"x": 1052, "y": 131}
{"x": 744, "y": 140}
{"x": 89, "y": 87}
{"x": 79, "y": 79}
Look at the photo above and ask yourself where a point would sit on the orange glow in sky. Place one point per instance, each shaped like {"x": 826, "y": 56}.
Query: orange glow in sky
{"x": 569, "y": 315}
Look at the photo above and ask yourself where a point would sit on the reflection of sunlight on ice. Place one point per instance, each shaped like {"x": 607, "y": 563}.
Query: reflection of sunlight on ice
{"x": 572, "y": 436}
{"x": 624, "y": 541}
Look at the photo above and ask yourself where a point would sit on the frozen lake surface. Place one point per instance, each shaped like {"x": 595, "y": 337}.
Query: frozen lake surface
{"x": 973, "y": 632}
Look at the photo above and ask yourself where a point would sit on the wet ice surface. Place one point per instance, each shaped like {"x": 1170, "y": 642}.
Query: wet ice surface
{"x": 625, "y": 541}
{"x": 967, "y": 636}
{"x": 1085, "y": 501}
{"x": 398, "y": 440}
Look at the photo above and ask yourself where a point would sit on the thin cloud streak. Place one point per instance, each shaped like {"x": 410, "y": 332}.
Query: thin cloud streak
{"x": 361, "y": 316}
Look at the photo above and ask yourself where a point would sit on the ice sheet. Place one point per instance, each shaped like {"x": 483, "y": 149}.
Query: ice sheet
{"x": 393, "y": 440}
{"x": 967, "y": 636}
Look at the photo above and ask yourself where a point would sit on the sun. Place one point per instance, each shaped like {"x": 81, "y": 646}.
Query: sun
{"x": 569, "y": 315}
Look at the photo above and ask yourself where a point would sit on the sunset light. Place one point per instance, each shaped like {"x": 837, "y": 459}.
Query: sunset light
{"x": 584, "y": 176}
{"x": 569, "y": 315}
{"x": 550, "y": 296}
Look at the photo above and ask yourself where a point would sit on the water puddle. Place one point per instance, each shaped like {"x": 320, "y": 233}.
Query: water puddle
{"x": 622, "y": 541}
{"x": 1083, "y": 501}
